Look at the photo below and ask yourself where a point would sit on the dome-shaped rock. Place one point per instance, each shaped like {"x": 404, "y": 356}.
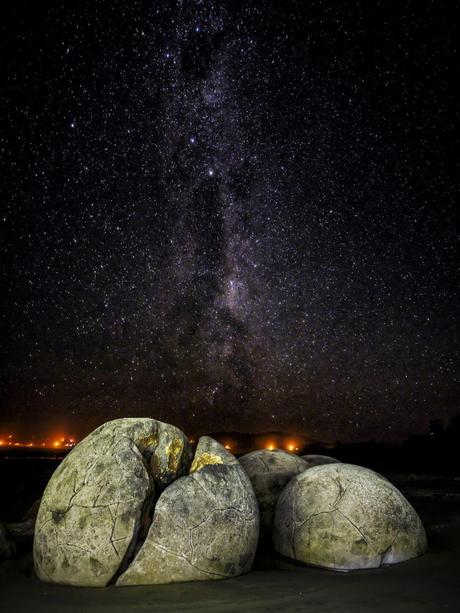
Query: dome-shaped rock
{"x": 205, "y": 525}
{"x": 97, "y": 501}
{"x": 318, "y": 460}
{"x": 270, "y": 471}
{"x": 346, "y": 517}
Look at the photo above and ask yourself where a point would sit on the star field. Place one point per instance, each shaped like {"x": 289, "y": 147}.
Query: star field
{"x": 229, "y": 215}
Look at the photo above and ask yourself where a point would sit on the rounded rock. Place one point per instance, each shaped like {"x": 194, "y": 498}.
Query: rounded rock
{"x": 344, "y": 517}
{"x": 318, "y": 460}
{"x": 98, "y": 500}
{"x": 205, "y": 525}
{"x": 270, "y": 471}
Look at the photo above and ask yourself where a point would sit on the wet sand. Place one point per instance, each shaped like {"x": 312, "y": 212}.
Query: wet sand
{"x": 429, "y": 583}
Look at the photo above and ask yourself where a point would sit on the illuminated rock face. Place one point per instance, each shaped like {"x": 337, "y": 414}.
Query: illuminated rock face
{"x": 318, "y": 460}
{"x": 205, "y": 526}
{"x": 96, "y": 503}
{"x": 97, "y": 510}
{"x": 270, "y": 471}
{"x": 346, "y": 517}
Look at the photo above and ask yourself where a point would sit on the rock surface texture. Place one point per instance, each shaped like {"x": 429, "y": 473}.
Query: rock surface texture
{"x": 98, "y": 501}
{"x": 318, "y": 460}
{"x": 128, "y": 506}
{"x": 270, "y": 471}
{"x": 205, "y": 525}
{"x": 345, "y": 517}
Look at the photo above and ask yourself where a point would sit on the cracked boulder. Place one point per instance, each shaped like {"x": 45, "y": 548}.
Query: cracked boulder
{"x": 205, "y": 525}
{"x": 344, "y": 517}
{"x": 270, "y": 471}
{"x": 97, "y": 503}
{"x": 318, "y": 460}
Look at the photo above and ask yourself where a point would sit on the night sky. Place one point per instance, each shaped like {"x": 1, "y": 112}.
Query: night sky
{"x": 229, "y": 215}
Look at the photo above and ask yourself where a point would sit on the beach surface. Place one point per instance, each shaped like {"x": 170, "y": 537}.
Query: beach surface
{"x": 426, "y": 584}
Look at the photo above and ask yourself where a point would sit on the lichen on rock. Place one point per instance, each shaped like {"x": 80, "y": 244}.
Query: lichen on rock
{"x": 94, "y": 506}
{"x": 345, "y": 517}
{"x": 95, "y": 526}
{"x": 205, "y": 525}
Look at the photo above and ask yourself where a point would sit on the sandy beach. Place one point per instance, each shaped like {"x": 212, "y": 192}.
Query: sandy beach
{"x": 430, "y": 583}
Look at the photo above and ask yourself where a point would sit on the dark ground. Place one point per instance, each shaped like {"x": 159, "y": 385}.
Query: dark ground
{"x": 429, "y": 583}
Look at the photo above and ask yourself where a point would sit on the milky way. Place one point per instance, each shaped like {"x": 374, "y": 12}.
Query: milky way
{"x": 229, "y": 216}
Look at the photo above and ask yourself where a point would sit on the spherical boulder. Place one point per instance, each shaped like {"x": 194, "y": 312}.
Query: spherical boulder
{"x": 270, "y": 471}
{"x": 344, "y": 517}
{"x": 205, "y": 525}
{"x": 98, "y": 501}
{"x": 318, "y": 460}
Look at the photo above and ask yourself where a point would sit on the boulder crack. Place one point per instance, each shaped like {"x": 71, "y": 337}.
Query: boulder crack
{"x": 357, "y": 528}
{"x": 185, "y": 559}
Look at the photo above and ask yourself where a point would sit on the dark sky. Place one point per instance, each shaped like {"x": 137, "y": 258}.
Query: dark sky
{"x": 229, "y": 215}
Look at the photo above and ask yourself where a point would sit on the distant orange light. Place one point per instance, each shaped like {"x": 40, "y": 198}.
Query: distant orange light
{"x": 227, "y": 447}
{"x": 60, "y": 443}
{"x": 270, "y": 447}
{"x": 291, "y": 447}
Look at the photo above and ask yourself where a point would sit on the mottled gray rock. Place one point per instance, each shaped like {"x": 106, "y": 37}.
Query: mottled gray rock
{"x": 345, "y": 517}
{"x": 7, "y": 544}
{"x": 98, "y": 500}
{"x": 318, "y": 460}
{"x": 205, "y": 525}
{"x": 270, "y": 471}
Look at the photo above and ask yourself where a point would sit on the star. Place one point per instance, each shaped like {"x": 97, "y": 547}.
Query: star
{"x": 214, "y": 216}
